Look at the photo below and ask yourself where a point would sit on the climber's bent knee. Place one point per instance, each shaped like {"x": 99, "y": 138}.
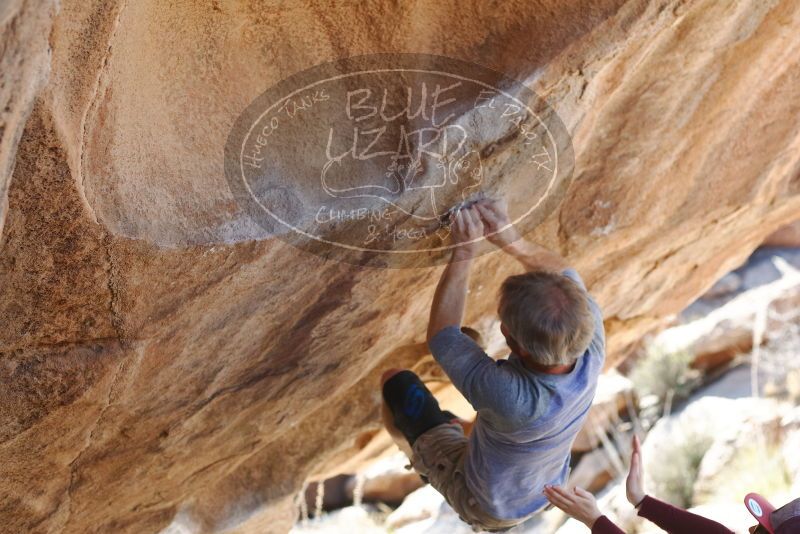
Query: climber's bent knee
{"x": 413, "y": 407}
{"x": 389, "y": 374}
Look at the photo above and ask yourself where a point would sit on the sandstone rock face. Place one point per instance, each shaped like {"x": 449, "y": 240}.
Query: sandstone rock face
{"x": 788, "y": 236}
{"x": 761, "y": 310}
{"x": 164, "y": 363}
{"x": 24, "y": 63}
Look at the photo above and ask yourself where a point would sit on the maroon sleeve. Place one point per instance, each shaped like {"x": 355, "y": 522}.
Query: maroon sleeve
{"x": 603, "y": 525}
{"x": 677, "y": 521}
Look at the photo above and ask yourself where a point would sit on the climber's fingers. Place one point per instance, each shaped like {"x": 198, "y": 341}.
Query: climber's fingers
{"x": 473, "y": 222}
{"x": 461, "y": 223}
{"x": 494, "y": 212}
{"x": 488, "y": 215}
{"x": 460, "y": 228}
{"x": 498, "y": 206}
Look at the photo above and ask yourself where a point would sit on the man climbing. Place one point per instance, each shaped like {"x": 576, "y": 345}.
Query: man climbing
{"x": 530, "y": 406}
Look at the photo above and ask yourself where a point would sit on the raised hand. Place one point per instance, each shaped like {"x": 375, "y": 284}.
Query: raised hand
{"x": 577, "y": 503}
{"x": 496, "y": 223}
{"x": 467, "y": 233}
{"x": 634, "y": 485}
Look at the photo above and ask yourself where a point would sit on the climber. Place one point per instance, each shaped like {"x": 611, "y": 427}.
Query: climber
{"x": 530, "y": 406}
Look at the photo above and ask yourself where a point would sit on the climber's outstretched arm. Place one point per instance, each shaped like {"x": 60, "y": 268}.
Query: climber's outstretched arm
{"x": 451, "y": 293}
{"x": 535, "y": 257}
{"x": 499, "y": 231}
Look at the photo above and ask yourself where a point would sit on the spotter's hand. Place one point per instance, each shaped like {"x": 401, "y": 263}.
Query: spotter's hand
{"x": 634, "y": 484}
{"x": 577, "y": 503}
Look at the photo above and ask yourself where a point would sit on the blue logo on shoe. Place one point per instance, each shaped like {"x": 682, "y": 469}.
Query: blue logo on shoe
{"x": 414, "y": 401}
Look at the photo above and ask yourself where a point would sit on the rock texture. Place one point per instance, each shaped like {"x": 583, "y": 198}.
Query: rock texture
{"x": 25, "y": 65}
{"x": 788, "y": 236}
{"x": 158, "y": 369}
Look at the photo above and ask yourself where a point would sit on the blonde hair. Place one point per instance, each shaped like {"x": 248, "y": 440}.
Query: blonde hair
{"x": 548, "y": 315}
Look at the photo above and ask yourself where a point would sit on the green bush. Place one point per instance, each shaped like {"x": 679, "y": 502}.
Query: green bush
{"x": 658, "y": 372}
{"x": 674, "y": 475}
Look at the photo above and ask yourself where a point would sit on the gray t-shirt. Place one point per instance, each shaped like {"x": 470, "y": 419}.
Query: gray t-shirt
{"x": 526, "y": 420}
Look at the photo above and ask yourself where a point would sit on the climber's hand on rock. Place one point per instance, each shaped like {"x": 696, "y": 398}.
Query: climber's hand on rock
{"x": 634, "y": 485}
{"x": 467, "y": 233}
{"x": 577, "y": 503}
{"x": 497, "y": 226}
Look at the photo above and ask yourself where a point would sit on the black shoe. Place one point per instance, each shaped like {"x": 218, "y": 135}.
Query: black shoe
{"x": 414, "y": 408}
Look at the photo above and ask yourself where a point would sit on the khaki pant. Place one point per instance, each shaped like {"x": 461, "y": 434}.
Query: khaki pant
{"x": 439, "y": 456}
